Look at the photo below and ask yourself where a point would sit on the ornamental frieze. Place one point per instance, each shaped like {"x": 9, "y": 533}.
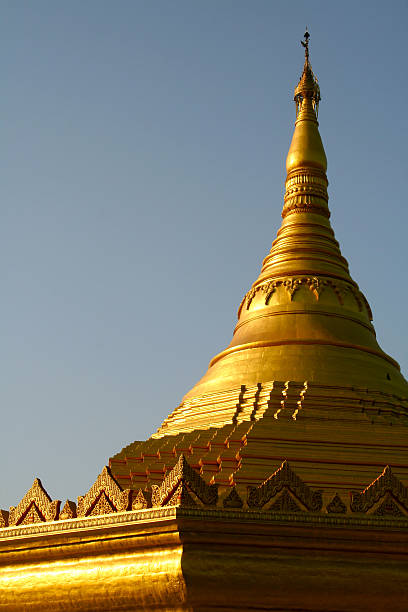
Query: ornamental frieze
{"x": 284, "y": 492}
{"x": 306, "y": 191}
{"x": 315, "y": 284}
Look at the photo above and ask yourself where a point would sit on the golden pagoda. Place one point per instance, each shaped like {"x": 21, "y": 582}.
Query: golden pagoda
{"x": 281, "y": 480}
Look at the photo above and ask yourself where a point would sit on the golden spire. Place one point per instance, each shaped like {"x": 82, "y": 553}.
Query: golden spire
{"x": 304, "y": 318}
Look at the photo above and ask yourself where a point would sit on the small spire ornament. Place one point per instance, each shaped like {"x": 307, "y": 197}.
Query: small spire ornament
{"x": 305, "y": 43}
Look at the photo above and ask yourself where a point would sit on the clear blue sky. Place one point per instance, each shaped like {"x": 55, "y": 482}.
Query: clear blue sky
{"x": 142, "y": 172}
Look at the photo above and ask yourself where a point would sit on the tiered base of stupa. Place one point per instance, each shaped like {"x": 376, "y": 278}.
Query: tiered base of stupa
{"x": 285, "y": 503}
{"x": 337, "y": 439}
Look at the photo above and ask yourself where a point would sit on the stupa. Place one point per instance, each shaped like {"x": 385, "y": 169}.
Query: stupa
{"x": 281, "y": 480}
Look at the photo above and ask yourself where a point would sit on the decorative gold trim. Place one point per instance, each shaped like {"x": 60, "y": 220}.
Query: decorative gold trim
{"x": 306, "y": 191}
{"x": 179, "y": 482}
{"x": 336, "y": 506}
{"x": 107, "y": 520}
{"x": 232, "y": 500}
{"x": 36, "y": 506}
{"x": 4, "y": 518}
{"x": 284, "y": 477}
{"x": 69, "y": 510}
{"x": 385, "y": 484}
{"x": 142, "y": 500}
{"x": 151, "y": 515}
{"x": 262, "y": 344}
{"x": 105, "y": 496}
{"x": 317, "y": 286}
{"x": 253, "y": 316}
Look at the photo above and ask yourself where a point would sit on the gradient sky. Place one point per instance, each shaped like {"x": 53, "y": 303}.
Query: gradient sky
{"x": 142, "y": 158}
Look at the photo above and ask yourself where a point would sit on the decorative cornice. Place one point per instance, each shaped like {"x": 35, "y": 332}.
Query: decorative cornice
{"x": 345, "y": 521}
{"x": 88, "y": 522}
{"x": 169, "y": 513}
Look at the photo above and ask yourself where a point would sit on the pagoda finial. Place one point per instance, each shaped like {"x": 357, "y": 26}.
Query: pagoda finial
{"x": 308, "y": 87}
{"x": 306, "y": 162}
{"x": 305, "y": 44}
